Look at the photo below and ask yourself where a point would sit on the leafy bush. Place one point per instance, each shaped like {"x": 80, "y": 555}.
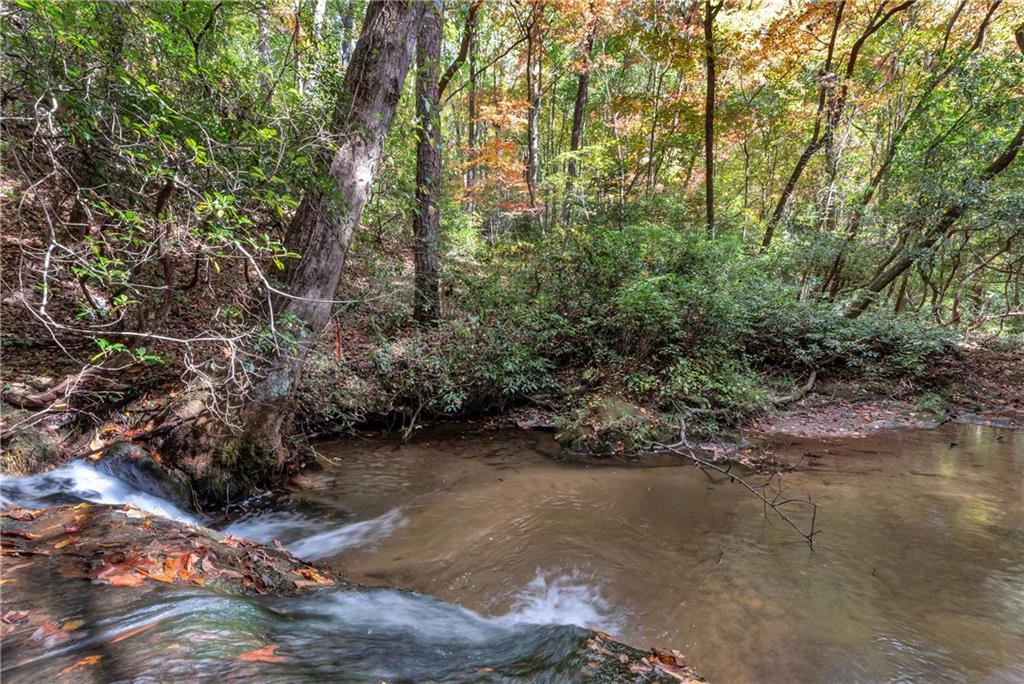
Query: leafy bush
{"x": 462, "y": 367}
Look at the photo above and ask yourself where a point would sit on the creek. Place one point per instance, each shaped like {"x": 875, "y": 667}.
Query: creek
{"x": 917, "y": 572}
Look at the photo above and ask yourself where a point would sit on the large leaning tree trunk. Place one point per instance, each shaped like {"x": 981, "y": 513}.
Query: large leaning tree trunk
{"x": 903, "y": 258}
{"x": 225, "y": 464}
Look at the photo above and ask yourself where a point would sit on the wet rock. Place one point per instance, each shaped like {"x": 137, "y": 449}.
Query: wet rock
{"x": 135, "y": 465}
{"x": 125, "y": 546}
{"x": 65, "y": 551}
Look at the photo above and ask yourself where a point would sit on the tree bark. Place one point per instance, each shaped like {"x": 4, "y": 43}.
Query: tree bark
{"x": 836, "y": 104}
{"x": 710, "y": 11}
{"x": 533, "y": 95}
{"x": 223, "y": 464}
{"x": 579, "y": 112}
{"x": 426, "y": 217}
{"x": 816, "y": 141}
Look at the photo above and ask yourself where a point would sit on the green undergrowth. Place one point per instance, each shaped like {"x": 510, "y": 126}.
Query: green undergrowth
{"x": 626, "y": 333}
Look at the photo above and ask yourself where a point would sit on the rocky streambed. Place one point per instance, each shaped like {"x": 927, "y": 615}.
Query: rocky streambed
{"x": 99, "y": 592}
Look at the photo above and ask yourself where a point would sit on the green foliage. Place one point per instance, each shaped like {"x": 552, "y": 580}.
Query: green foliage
{"x": 792, "y": 335}
{"x": 463, "y": 367}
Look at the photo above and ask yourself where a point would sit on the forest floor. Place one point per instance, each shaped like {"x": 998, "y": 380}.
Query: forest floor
{"x": 987, "y": 388}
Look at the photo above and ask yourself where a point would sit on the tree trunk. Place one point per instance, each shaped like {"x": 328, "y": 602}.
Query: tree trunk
{"x": 430, "y": 85}
{"x": 579, "y": 112}
{"x": 837, "y": 103}
{"x": 426, "y": 216}
{"x": 709, "y": 112}
{"x": 228, "y": 464}
{"x": 471, "y": 127}
{"x": 941, "y": 229}
{"x": 533, "y": 95}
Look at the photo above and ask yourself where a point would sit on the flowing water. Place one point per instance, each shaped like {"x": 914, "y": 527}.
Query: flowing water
{"x": 917, "y": 573}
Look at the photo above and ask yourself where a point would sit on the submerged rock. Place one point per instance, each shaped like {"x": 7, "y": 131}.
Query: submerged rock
{"x": 111, "y": 592}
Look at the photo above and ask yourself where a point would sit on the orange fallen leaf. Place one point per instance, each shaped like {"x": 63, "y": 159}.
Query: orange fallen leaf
{"x": 22, "y": 514}
{"x": 132, "y": 632}
{"x": 84, "y": 662}
{"x": 314, "y": 575}
{"x": 19, "y": 533}
{"x": 263, "y": 655}
{"x": 72, "y": 625}
{"x": 120, "y": 575}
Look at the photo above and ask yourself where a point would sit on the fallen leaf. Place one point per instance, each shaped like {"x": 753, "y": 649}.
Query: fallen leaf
{"x": 84, "y": 662}
{"x": 263, "y": 655}
{"x": 95, "y": 444}
{"x": 50, "y": 634}
{"x": 134, "y": 511}
{"x": 22, "y": 514}
{"x": 132, "y": 632}
{"x": 121, "y": 575}
{"x": 72, "y": 625}
{"x": 14, "y": 617}
{"x": 314, "y": 575}
{"x": 19, "y": 533}
{"x": 62, "y": 543}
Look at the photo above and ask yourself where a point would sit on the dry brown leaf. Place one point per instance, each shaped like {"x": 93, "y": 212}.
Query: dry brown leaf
{"x": 14, "y": 617}
{"x": 21, "y": 514}
{"x": 263, "y": 655}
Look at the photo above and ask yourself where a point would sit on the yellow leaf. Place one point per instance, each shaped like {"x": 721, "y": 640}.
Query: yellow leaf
{"x": 84, "y": 662}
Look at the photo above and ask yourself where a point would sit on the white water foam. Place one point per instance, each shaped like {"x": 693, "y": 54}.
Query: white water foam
{"x": 554, "y": 598}
{"x": 79, "y": 481}
{"x": 292, "y": 529}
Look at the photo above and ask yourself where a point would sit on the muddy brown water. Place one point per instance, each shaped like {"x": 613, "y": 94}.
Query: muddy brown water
{"x": 917, "y": 574}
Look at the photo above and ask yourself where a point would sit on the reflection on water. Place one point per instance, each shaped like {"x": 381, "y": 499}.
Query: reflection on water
{"x": 918, "y": 572}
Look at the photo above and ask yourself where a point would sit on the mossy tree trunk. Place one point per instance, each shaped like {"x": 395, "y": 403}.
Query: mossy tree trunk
{"x": 229, "y": 463}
